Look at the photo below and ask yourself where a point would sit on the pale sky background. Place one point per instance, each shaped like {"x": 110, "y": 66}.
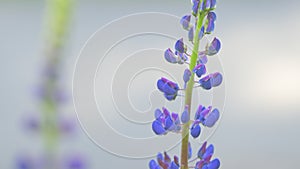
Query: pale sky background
{"x": 260, "y": 57}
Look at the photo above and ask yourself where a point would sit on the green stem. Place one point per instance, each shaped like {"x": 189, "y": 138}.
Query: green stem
{"x": 189, "y": 92}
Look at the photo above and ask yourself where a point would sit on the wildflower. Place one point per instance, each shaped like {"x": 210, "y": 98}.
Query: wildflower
{"x": 211, "y": 80}
{"x": 180, "y": 46}
{"x": 200, "y": 70}
{"x": 185, "y": 117}
{"x": 186, "y": 75}
{"x": 169, "y": 88}
{"x": 185, "y": 22}
{"x": 170, "y": 56}
{"x": 164, "y": 162}
{"x": 214, "y": 47}
{"x": 195, "y": 130}
{"x": 165, "y": 122}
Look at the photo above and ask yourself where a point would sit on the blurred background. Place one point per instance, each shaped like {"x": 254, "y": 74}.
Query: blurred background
{"x": 260, "y": 124}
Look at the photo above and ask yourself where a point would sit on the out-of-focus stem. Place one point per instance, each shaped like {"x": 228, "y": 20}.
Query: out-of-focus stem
{"x": 57, "y": 23}
{"x": 188, "y": 93}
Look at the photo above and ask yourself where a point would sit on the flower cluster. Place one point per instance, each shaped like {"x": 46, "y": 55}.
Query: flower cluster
{"x": 198, "y": 24}
{"x": 163, "y": 161}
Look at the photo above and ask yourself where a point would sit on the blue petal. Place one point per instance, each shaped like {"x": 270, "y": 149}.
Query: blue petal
{"x": 195, "y": 7}
{"x": 209, "y": 151}
{"x": 185, "y": 117}
{"x": 200, "y": 70}
{"x": 202, "y": 150}
{"x": 191, "y": 34}
{"x": 169, "y": 123}
{"x": 214, "y": 47}
{"x": 185, "y": 22}
{"x": 179, "y": 46}
{"x": 205, "y": 82}
{"x": 195, "y": 130}
{"x": 160, "y": 85}
{"x": 157, "y": 113}
{"x": 173, "y": 165}
{"x": 186, "y": 75}
{"x": 210, "y": 27}
{"x": 170, "y": 56}
{"x": 211, "y": 16}
{"x": 201, "y": 33}
{"x": 213, "y": 3}
{"x": 214, "y": 164}
{"x": 158, "y": 128}
{"x": 153, "y": 164}
{"x": 189, "y": 151}
{"x": 170, "y": 97}
{"x": 217, "y": 79}
{"x": 212, "y": 118}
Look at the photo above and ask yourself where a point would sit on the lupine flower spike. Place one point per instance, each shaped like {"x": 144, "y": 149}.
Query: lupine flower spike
{"x": 198, "y": 24}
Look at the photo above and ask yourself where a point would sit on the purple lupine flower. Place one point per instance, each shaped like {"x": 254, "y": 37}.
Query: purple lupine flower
{"x": 185, "y": 22}
{"x": 217, "y": 79}
{"x": 182, "y": 57}
{"x": 191, "y": 34}
{"x": 202, "y": 58}
{"x": 195, "y": 130}
{"x": 190, "y": 153}
{"x": 67, "y": 125}
{"x": 169, "y": 88}
{"x": 201, "y": 33}
{"x": 186, "y": 75}
{"x": 185, "y": 117}
{"x": 75, "y": 162}
{"x": 212, "y": 118}
{"x": 214, "y": 164}
{"x": 211, "y": 18}
{"x": 214, "y": 47}
{"x": 208, "y": 152}
{"x": 180, "y": 46}
{"x": 213, "y": 3}
{"x": 211, "y": 80}
{"x": 158, "y": 128}
{"x": 200, "y": 70}
{"x": 165, "y": 122}
{"x": 170, "y": 56}
{"x": 202, "y": 150}
{"x": 195, "y": 7}
{"x": 164, "y": 162}
{"x": 32, "y": 123}
{"x": 25, "y": 162}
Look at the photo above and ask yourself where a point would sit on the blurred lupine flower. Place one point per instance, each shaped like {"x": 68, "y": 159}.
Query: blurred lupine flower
{"x": 32, "y": 123}
{"x": 164, "y": 162}
{"x": 165, "y": 122}
{"x": 180, "y": 46}
{"x": 214, "y": 47}
{"x": 75, "y": 162}
{"x": 25, "y": 162}
{"x": 67, "y": 126}
{"x": 207, "y": 117}
{"x": 200, "y": 70}
{"x": 186, "y": 75}
{"x": 185, "y": 22}
{"x": 211, "y": 80}
{"x": 60, "y": 96}
{"x": 169, "y": 88}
